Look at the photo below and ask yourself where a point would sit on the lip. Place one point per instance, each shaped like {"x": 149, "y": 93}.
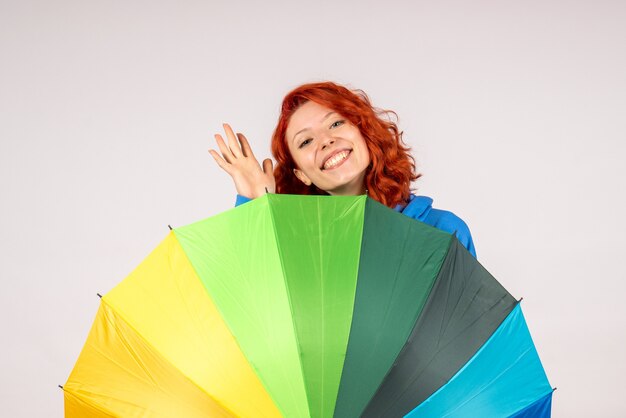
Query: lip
{"x": 332, "y": 155}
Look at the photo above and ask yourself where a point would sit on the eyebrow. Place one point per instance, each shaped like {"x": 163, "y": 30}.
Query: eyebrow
{"x": 305, "y": 129}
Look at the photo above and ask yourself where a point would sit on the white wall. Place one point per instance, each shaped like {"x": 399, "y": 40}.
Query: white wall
{"x": 515, "y": 110}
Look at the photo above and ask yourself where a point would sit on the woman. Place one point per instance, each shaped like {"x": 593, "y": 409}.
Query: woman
{"x": 329, "y": 140}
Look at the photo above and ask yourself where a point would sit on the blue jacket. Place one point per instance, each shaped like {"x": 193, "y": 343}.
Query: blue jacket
{"x": 420, "y": 208}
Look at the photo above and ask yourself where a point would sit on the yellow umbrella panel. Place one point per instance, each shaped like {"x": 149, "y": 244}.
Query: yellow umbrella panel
{"x": 134, "y": 365}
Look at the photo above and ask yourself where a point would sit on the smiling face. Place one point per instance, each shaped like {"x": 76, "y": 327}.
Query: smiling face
{"x": 328, "y": 150}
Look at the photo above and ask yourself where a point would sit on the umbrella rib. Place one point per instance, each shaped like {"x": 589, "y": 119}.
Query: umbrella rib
{"x": 444, "y": 322}
{"x": 124, "y": 341}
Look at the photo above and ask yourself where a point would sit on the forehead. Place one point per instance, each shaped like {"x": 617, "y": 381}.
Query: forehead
{"x": 307, "y": 116}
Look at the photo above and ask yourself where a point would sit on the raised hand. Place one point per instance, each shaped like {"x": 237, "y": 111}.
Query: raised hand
{"x": 251, "y": 179}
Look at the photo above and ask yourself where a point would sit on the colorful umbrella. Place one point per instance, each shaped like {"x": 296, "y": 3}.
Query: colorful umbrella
{"x": 309, "y": 306}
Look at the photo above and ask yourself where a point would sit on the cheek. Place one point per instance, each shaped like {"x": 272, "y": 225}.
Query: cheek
{"x": 302, "y": 160}
{"x": 365, "y": 153}
{"x": 307, "y": 159}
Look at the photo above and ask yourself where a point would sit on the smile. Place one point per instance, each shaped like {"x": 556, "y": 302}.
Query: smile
{"x": 336, "y": 159}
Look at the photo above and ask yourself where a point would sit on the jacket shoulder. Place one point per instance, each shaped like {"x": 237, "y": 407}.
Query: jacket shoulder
{"x": 420, "y": 208}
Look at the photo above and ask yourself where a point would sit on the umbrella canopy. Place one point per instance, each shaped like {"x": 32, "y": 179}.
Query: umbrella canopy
{"x": 308, "y": 306}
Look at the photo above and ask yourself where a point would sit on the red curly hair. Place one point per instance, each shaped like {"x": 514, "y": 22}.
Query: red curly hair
{"x": 392, "y": 168}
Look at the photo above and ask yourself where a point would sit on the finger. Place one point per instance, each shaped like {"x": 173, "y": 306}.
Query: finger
{"x": 228, "y": 155}
{"x": 220, "y": 161}
{"x": 268, "y": 167}
{"x": 233, "y": 144}
{"x": 245, "y": 146}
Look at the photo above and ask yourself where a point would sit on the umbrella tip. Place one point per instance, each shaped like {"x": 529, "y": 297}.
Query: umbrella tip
{"x": 553, "y": 389}
{"x": 61, "y": 386}
{"x": 99, "y": 295}
{"x": 520, "y": 299}
{"x": 170, "y": 227}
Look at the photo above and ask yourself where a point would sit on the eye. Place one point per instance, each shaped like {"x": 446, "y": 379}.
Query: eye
{"x": 305, "y": 142}
{"x": 337, "y": 123}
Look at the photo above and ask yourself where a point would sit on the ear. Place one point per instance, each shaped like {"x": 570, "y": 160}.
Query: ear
{"x": 302, "y": 177}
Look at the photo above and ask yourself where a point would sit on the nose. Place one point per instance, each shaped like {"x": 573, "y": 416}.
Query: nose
{"x": 327, "y": 140}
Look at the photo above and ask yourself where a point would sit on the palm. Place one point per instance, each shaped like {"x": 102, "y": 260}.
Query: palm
{"x": 251, "y": 178}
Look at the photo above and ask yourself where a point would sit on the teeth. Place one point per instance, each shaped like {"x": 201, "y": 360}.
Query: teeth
{"x": 336, "y": 159}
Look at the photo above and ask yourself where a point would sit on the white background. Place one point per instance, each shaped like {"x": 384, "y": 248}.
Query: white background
{"x": 516, "y": 113}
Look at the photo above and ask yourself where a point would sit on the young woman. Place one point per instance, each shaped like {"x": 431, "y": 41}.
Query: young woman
{"x": 330, "y": 140}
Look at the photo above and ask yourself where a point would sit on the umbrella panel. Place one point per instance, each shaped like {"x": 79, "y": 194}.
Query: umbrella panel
{"x": 400, "y": 259}
{"x": 122, "y": 375}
